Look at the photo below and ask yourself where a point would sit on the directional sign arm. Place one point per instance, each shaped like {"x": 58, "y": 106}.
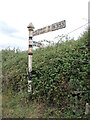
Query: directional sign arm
{"x": 38, "y": 44}
{"x": 53, "y": 27}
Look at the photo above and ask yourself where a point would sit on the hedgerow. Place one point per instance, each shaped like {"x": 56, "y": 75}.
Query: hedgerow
{"x": 60, "y": 74}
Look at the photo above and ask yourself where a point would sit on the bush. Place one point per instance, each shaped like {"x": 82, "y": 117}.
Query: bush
{"x": 60, "y": 73}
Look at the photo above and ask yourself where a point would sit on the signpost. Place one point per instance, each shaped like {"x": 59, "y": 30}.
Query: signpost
{"x": 53, "y": 27}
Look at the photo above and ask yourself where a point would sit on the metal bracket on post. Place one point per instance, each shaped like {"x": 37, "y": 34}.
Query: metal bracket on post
{"x": 30, "y": 29}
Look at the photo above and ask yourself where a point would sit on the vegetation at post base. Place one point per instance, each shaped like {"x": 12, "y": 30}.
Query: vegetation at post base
{"x": 60, "y": 80}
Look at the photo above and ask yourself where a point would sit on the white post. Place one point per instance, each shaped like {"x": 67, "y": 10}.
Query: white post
{"x": 30, "y": 29}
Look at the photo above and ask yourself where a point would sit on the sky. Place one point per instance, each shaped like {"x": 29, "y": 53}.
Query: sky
{"x": 15, "y": 16}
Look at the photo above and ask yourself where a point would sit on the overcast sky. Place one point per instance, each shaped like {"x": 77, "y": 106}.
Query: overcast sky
{"x": 15, "y": 15}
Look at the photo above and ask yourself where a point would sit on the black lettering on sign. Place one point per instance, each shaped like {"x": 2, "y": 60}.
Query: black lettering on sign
{"x": 37, "y": 32}
{"x": 63, "y": 24}
{"x": 44, "y": 29}
{"x": 48, "y": 28}
{"x": 56, "y": 26}
{"x": 59, "y": 25}
{"x": 41, "y": 31}
{"x": 53, "y": 27}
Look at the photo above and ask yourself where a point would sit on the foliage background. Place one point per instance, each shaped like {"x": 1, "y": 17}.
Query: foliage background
{"x": 60, "y": 78}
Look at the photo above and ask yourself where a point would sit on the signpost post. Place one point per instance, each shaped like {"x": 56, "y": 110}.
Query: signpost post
{"x": 53, "y": 27}
{"x": 30, "y": 29}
